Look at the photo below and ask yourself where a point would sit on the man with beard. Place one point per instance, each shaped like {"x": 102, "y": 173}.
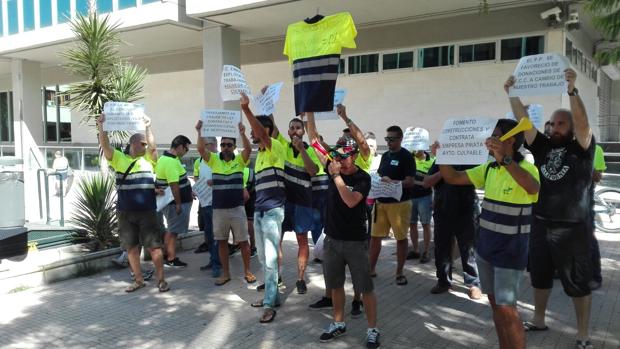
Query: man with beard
{"x": 560, "y": 237}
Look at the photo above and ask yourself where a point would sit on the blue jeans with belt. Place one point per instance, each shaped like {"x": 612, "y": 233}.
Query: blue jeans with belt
{"x": 267, "y": 233}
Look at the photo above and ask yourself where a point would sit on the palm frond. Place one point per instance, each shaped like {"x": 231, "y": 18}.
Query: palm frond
{"x": 126, "y": 82}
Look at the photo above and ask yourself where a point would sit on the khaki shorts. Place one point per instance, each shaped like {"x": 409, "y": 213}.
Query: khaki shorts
{"x": 138, "y": 228}
{"x": 393, "y": 215}
{"x": 227, "y": 219}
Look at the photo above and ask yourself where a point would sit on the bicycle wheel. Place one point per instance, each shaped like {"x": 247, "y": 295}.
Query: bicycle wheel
{"x": 607, "y": 210}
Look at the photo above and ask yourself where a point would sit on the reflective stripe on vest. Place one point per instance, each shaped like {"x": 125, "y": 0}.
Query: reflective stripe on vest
{"x": 505, "y": 218}
{"x": 270, "y": 192}
{"x": 320, "y": 182}
{"x": 137, "y": 191}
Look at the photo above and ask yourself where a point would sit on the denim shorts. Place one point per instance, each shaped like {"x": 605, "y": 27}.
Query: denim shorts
{"x": 502, "y": 283}
{"x": 297, "y": 218}
{"x": 422, "y": 209}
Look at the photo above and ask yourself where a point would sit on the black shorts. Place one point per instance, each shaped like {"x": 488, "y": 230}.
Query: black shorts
{"x": 138, "y": 228}
{"x": 337, "y": 254}
{"x": 565, "y": 247}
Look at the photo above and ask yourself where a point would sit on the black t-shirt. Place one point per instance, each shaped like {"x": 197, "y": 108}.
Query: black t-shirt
{"x": 565, "y": 179}
{"x": 342, "y": 222}
{"x": 397, "y": 166}
{"x": 453, "y": 199}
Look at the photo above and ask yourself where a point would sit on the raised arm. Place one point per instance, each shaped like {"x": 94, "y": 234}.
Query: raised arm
{"x": 452, "y": 176}
{"x": 357, "y": 134}
{"x": 247, "y": 146}
{"x": 150, "y": 139}
{"x": 309, "y": 165}
{"x": 350, "y": 198}
{"x": 104, "y": 140}
{"x": 583, "y": 132}
{"x": 518, "y": 109}
{"x": 257, "y": 127}
{"x": 200, "y": 144}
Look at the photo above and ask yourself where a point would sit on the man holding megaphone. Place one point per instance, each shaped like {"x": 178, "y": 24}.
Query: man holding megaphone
{"x": 560, "y": 238}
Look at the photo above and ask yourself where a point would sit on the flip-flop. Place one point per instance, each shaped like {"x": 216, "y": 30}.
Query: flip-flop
{"x": 530, "y": 327}
{"x": 135, "y": 286}
{"x": 268, "y": 316}
{"x": 162, "y": 286}
{"x": 401, "y": 280}
{"x": 250, "y": 279}
{"x": 221, "y": 282}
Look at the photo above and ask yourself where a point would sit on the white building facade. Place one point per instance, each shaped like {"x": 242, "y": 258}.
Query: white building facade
{"x": 417, "y": 63}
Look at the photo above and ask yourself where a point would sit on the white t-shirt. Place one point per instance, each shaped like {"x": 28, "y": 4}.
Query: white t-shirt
{"x": 206, "y": 173}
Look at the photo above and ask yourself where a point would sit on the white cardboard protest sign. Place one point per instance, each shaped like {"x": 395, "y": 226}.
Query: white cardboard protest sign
{"x": 416, "y": 139}
{"x": 462, "y": 141}
{"x": 164, "y": 199}
{"x": 220, "y": 123}
{"x": 201, "y": 189}
{"x": 266, "y": 102}
{"x": 233, "y": 83}
{"x": 339, "y": 95}
{"x": 541, "y": 74}
{"x": 380, "y": 189}
{"x": 122, "y": 116}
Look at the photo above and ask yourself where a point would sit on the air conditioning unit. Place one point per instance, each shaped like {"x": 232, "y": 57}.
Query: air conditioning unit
{"x": 612, "y": 70}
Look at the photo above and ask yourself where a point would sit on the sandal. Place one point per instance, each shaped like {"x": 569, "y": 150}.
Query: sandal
{"x": 250, "y": 279}
{"x": 163, "y": 286}
{"x": 260, "y": 304}
{"x": 221, "y": 282}
{"x": 401, "y": 280}
{"x": 268, "y": 316}
{"x": 135, "y": 286}
{"x": 530, "y": 327}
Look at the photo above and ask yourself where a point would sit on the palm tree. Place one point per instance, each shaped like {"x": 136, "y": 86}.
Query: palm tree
{"x": 606, "y": 17}
{"x": 104, "y": 75}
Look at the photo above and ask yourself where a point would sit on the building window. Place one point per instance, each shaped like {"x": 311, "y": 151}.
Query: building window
{"x": 11, "y": 9}
{"x": 6, "y": 117}
{"x": 1, "y": 20}
{"x": 398, "y": 60}
{"x": 28, "y": 8}
{"x": 150, "y": 1}
{"x": 519, "y": 47}
{"x": 568, "y": 51}
{"x": 45, "y": 13}
{"x": 81, "y": 7}
{"x": 436, "y": 56}
{"x": 364, "y": 64}
{"x": 477, "y": 52}
{"x": 341, "y": 66}
{"x": 123, "y": 4}
{"x": 63, "y": 9}
{"x": 57, "y": 114}
{"x": 104, "y": 6}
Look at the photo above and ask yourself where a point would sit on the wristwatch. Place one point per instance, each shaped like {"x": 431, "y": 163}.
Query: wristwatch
{"x": 507, "y": 160}
{"x": 575, "y": 92}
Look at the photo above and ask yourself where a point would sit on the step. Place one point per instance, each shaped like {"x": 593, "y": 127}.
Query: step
{"x": 613, "y": 167}
{"x": 610, "y": 147}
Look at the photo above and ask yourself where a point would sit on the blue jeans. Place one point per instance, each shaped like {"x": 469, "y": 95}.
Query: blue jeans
{"x": 267, "y": 232}
{"x": 318, "y": 216}
{"x": 207, "y": 218}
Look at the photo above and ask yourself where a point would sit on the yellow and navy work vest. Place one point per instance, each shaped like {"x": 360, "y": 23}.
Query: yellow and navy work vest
{"x": 320, "y": 182}
{"x": 297, "y": 180}
{"x": 170, "y": 170}
{"x": 269, "y": 174}
{"x": 314, "y": 50}
{"x": 136, "y": 192}
{"x": 421, "y": 170}
{"x": 505, "y": 220}
{"x": 227, "y": 181}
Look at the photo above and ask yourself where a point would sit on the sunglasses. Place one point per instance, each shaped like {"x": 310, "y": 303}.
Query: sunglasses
{"x": 391, "y": 139}
{"x": 144, "y": 144}
{"x": 226, "y": 145}
{"x": 340, "y": 156}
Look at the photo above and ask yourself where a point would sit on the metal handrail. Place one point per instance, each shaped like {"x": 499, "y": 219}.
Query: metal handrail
{"x": 47, "y": 195}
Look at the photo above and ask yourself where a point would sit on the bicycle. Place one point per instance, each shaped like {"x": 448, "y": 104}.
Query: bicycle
{"x": 606, "y": 204}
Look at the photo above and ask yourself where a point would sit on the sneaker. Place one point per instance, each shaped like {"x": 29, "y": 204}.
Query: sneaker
{"x": 233, "y": 250}
{"x": 146, "y": 275}
{"x": 425, "y": 258}
{"x": 323, "y": 303}
{"x": 318, "y": 261}
{"x": 474, "y": 293}
{"x": 204, "y": 247}
{"x": 261, "y": 287}
{"x": 121, "y": 261}
{"x": 437, "y": 289}
{"x": 333, "y": 331}
{"x": 253, "y": 252}
{"x": 206, "y": 267}
{"x": 372, "y": 339}
{"x": 356, "y": 308}
{"x": 216, "y": 272}
{"x": 584, "y": 344}
{"x": 301, "y": 287}
{"x": 175, "y": 263}
{"x": 413, "y": 255}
